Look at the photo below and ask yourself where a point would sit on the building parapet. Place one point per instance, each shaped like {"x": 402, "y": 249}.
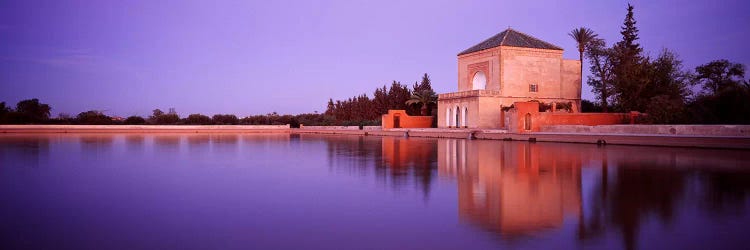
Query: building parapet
{"x": 469, "y": 93}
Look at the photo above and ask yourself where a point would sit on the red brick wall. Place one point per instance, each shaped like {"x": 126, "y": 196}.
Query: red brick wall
{"x": 406, "y": 121}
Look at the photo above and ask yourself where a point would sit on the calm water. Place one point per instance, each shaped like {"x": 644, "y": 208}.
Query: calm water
{"x": 199, "y": 191}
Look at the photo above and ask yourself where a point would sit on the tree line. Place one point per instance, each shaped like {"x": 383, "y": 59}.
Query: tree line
{"x": 419, "y": 100}
{"x": 624, "y": 78}
{"x": 32, "y": 111}
{"x": 359, "y": 110}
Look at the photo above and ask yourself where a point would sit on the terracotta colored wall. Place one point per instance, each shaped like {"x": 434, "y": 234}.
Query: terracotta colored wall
{"x": 466, "y": 73}
{"x": 590, "y": 119}
{"x": 571, "y": 82}
{"x": 488, "y": 114}
{"x": 406, "y": 121}
{"x": 509, "y": 72}
{"x": 523, "y": 66}
{"x": 462, "y": 103}
{"x": 539, "y": 119}
{"x": 483, "y": 112}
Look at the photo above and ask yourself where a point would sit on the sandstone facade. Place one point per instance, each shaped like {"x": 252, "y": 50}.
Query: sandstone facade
{"x": 507, "y": 68}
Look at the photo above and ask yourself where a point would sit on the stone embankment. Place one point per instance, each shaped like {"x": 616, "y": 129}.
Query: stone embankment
{"x": 704, "y": 136}
{"x": 709, "y": 136}
{"x": 144, "y": 128}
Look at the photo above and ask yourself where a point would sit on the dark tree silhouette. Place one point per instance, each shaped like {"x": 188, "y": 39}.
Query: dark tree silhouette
{"x": 32, "y": 111}
{"x": 583, "y": 36}
{"x": 93, "y": 117}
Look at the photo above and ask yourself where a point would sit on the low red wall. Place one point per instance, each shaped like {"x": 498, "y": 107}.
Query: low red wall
{"x": 540, "y": 119}
{"x": 405, "y": 121}
{"x": 590, "y": 119}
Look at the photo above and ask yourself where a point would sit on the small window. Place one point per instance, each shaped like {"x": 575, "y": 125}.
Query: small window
{"x": 533, "y": 88}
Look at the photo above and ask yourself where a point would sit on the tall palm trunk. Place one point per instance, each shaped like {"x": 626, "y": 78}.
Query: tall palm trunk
{"x": 583, "y": 37}
{"x": 604, "y": 97}
{"x": 581, "y": 48}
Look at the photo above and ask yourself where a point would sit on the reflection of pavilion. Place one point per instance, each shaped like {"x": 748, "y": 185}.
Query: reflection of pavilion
{"x": 515, "y": 188}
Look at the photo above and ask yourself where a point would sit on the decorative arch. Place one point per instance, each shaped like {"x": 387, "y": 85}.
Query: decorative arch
{"x": 458, "y": 117}
{"x": 479, "y": 81}
{"x": 448, "y": 117}
{"x": 465, "y": 114}
{"x": 527, "y": 121}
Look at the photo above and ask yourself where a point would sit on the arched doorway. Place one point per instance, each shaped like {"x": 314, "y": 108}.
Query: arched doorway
{"x": 448, "y": 117}
{"x": 479, "y": 81}
{"x": 466, "y": 116}
{"x": 458, "y": 117}
{"x": 527, "y": 122}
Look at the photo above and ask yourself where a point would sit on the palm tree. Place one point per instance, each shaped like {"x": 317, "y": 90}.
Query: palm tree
{"x": 583, "y": 37}
{"x": 425, "y": 98}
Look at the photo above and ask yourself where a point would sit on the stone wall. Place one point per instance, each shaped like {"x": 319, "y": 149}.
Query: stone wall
{"x": 487, "y": 61}
{"x": 571, "y": 82}
{"x": 522, "y": 67}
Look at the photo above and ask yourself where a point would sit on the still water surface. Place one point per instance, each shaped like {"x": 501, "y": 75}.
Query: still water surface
{"x": 229, "y": 191}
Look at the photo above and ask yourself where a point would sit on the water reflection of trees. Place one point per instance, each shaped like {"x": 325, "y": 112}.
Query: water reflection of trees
{"x": 515, "y": 188}
{"x": 397, "y": 161}
{"x": 96, "y": 146}
{"x": 23, "y": 151}
{"x": 167, "y": 141}
{"x": 135, "y": 142}
{"x": 649, "y": 183}
{"x": 636, "y": 192}
{"x": 725, "y": 193}
{"x": 94, "y": 141}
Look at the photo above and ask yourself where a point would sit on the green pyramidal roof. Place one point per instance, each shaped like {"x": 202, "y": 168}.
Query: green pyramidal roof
{"x": 511, "y": 38}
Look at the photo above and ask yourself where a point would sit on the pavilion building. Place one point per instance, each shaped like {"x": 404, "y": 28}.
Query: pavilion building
{"x": 506, "y": 68}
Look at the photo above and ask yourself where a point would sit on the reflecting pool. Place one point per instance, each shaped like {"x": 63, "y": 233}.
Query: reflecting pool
{"x": 282, "y": 191}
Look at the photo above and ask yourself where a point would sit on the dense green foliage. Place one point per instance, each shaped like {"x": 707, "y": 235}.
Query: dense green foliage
{"x": 583, "y": 36}
{"x": 725, "y": 97}
{"x": 625, "y": 79}
{"x": 225, "y": 119}
{"x": 361, "y": 110}
{"x": 93, "y": 117}
{"x": 135, "y": 120}
{"x": 198, "y": 119}
{"x": 424, "y": 99}
{"x": 29, "y": 111}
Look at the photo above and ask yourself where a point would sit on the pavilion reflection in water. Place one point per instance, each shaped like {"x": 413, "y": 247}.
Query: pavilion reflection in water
{"x": 512, "y": 188}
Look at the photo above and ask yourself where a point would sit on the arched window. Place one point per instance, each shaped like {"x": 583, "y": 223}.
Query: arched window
{"x": 448, "y": 117}
{"x": 479, "y": 81}
{"x": 458, "y": 117}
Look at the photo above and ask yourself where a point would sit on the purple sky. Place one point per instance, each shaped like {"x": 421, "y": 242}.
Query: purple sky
{"x": 246, "y": 57}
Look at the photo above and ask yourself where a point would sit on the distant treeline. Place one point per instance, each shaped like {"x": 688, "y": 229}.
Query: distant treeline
{"x": 359, "y": 110}
{"x": 34, "y": 112}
